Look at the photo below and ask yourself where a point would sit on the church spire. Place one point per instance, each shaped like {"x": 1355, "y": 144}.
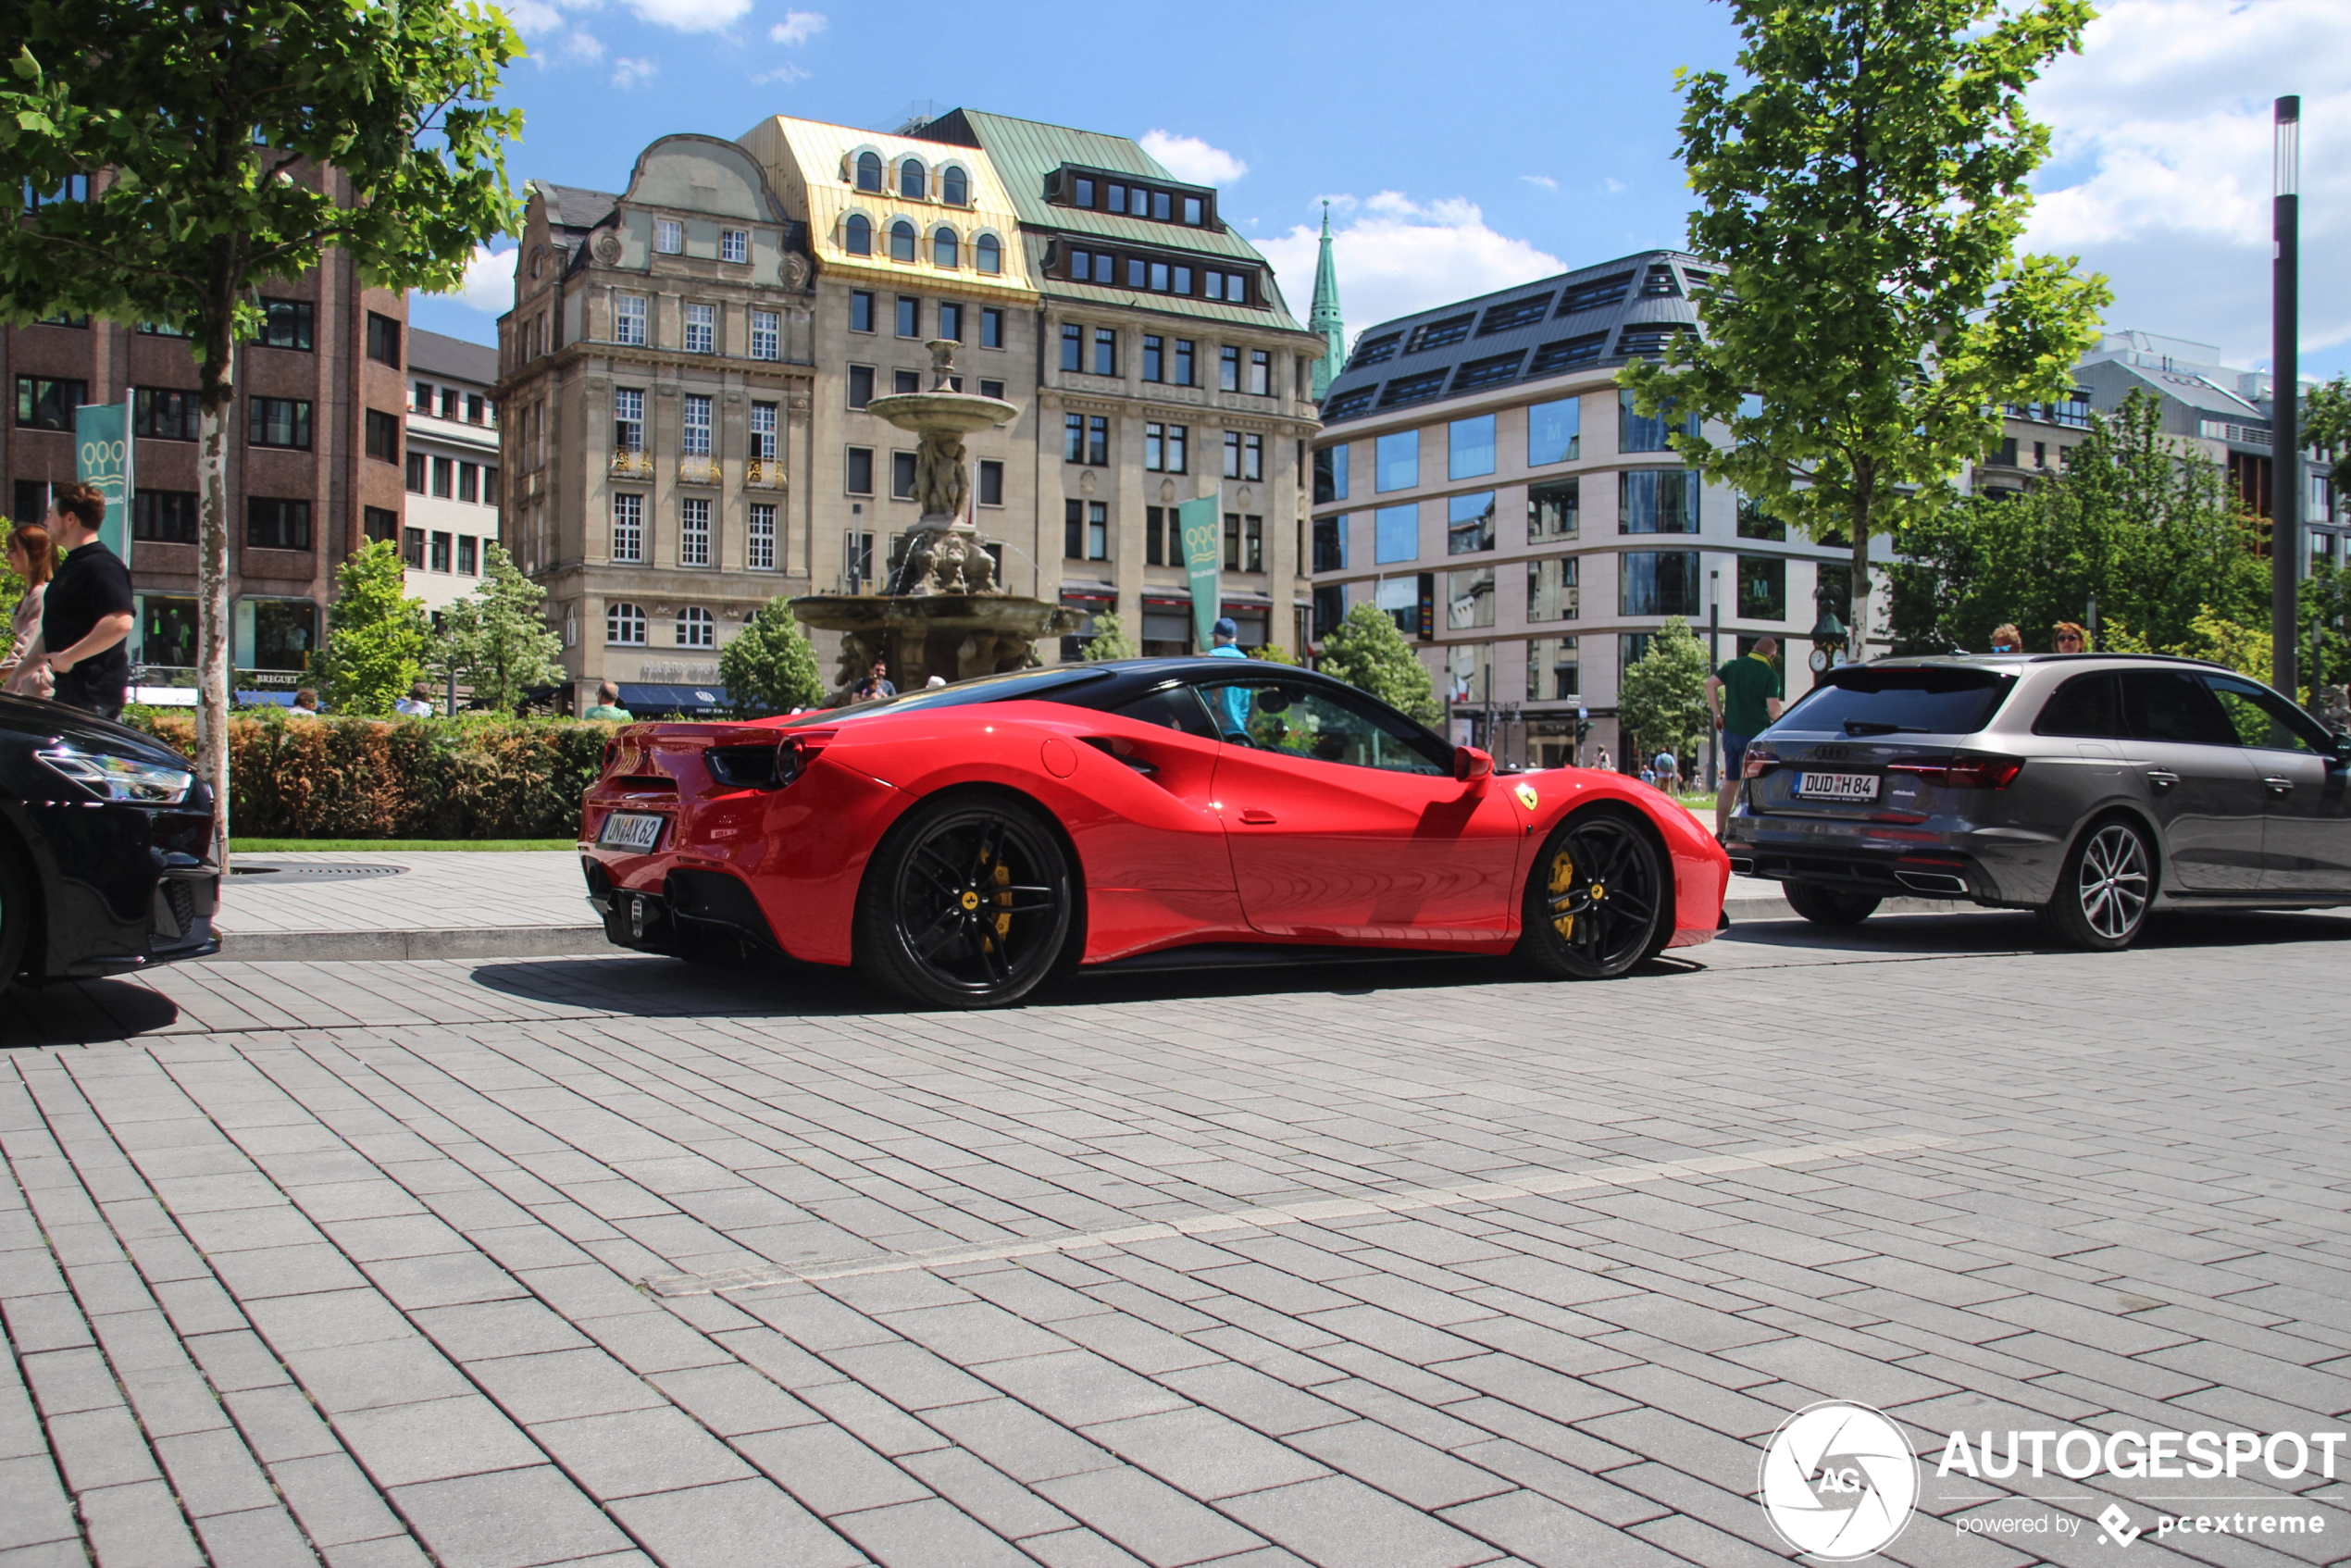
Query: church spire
{"x": 1324, "y": 319}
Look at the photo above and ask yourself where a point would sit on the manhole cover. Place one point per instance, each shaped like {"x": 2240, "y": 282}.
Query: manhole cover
{"x": 309, "y": 873}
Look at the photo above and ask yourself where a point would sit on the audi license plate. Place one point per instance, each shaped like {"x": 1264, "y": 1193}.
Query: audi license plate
{"x": 1836, "y": 786}
{"x": 630, "y": 830}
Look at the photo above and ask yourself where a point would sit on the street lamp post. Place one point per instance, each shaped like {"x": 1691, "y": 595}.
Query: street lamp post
{"x": 1827, "y": 633}
{"x": 2285, "y": 396}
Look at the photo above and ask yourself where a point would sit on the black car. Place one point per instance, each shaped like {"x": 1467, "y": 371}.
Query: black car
{"x": 105, "y": 836}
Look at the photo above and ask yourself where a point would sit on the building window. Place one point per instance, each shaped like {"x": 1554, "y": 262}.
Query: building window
{"x": 629, "y": 320}
{"x": 272, "y": 524}
{"x": 1105, "y": 351}
{"x": 694, "y": 440}
{"x": 1656, "y": 582}
{"x": 857, "y": 234}
{"x": 1086, "y": 530}
{"x": 1154, "y": 358}
{"x": 767, "y": 336}
{"x": 1244, "y": 543}
{"x": 1073, "y": 438}
{"x": 901, "y": 240}
{"x": 1260, "y": 372}
{"x": 420, "y": 396}
{"x": 1551, "y": 510}
{"x": 763, "y": 432}
{"x": 1470, "y": 447}
{"x": 911, "y": 180}
{"x": 1330, "y": 474}
{"x": 1397, "y": 461}
{"x": 163, "y": 413}
{"x": 860, "y": 385}
{"x": 1097, "y": 440}
{"x": 734, "y": 244}
{"x": 412, "y": 549}
{"x": 628, "y": 419}
{"x": 625, "y": 624}
{"x": 1469, "y": 599}
{"x": 1228, "y": 368}
{"x": 1469, "y": 524}
{"x": 954, "y": 186}
{"x": 697, "y": 628}
{"x": 1551, "y": 589}
{"x": 287, "y": 324}
{"x": 991, "y": 326}
{"x": 380, "y": 524}
{"x": 1396, "y": 534}
{"x": 951, "y": 321}
{"x": 860, "y": 470}
{"x": 1657, "y": 501}
{"x": 278, "y": 421}
{"x": 1554, "y": 432}
{"x": 416, "y": 472}
{"x": 44, "y": 404}
{"x": 1161, "y": 548}
{"x": 669, "y": 236}
{"x": 468, "y": 555}
{"x": 869, "y": 171}
{"x": 165, "y": 517}
{"x": 988, "y": 254}
{"x": 910, "y": 316}
{"x": 489, "y": 486}
{"x": 759, "y": 551}
{"x": 444, "y": 477}
{"x": 702, "y": 329}
{"x": 470, "y": 482}
{"x": 1163, "y": 448}
{"x": 901, "y": 475}
{"x": 1646, "y": 432}
{"x": 990, "y": 389}
{"x": 860, "y": 310}
{"x": 944, "y": 250}
{"x": 1762, "y": 595}
{"x": 383, "y": 436}
{"x": 1553, "y": 672}
{"x": 628, "y": 529}
{"x": 1330, "y": 543}
{"x": 991, "y": 483}
{"x": 1756, "y": 523}
{"x": 1181, "y": 371}
{"x": 476, "y": 408}
{"x": 693, "y": 532}
{"x": 441, "y": 552}
{"x": 1073, "y": 346}
{"x": 383, "y": 340}
{"x": 905, "y": 381}
{"x": 448, "y": 402}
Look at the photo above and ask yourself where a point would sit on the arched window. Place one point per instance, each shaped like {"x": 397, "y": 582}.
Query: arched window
{"x": 942, "y": 248}
{"x": 625, "y": 624}
{"x": 988, "y": 254}
{"x": 869, "y": 173}
{"x": 901, "y": 240}
{"x": 696, "y": 627}
{"x": 954, "y": 187}
{"x": 857, "y": 235}
{"x": 910, "y": 180}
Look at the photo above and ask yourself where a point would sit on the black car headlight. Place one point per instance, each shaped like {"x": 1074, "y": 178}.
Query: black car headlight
{"x": 112, "y": 778}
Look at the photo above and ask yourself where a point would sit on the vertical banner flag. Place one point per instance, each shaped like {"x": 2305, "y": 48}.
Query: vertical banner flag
{"x": 102, "y": 457}
{"x": 1205, "y": 559}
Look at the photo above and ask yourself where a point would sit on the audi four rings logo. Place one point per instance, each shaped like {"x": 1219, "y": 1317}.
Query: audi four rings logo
{"x": 1838, "y": 1481}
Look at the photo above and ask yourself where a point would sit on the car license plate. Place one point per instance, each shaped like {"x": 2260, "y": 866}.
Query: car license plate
{"x": 630, "y": 830}
{"x": 1836, "y": 786}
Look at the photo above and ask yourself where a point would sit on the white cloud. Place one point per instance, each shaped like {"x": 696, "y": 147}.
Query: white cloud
{"x": 2160, "y": 163}
{"x": 489, "y": 281}
{"x": 797, "y": 27}
{"x": 786, "y": 74}
{"x": 582, "y": 47}
{"x": 1612, "y": 186}
{"x": 1192, "y": 160}
{"x": 690, "y": 16}
{"x": 1543, "y": 180}
{"x": 626, "y": 71}
{"x": 1395, "y": 256}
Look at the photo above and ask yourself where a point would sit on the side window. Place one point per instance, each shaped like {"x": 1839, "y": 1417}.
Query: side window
{"x": 1171, "y": 708}
{"x": 1309, "y": 721}
{"x": 2165, "y": 704}
{"x": 2083, "y": 706}
{"x": 2261, "y": 717}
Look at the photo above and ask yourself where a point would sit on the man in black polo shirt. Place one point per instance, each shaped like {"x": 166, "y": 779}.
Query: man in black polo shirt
{"x": 87, "y": 613}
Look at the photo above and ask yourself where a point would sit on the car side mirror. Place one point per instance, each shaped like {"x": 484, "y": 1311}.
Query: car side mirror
{"x": 1470, "y": 764}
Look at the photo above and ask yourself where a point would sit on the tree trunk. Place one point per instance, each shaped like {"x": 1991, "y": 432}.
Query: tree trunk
{"x": 1857, "y": 642}
{"x": 212, "y": 582}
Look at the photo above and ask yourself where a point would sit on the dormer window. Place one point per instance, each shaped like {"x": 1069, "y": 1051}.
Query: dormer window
{"x": 857, "y": 234}
{"x": 869, "y": 171}
{"x": 901, "y": 240}
{"x": 988, "y": 254}
{"x": 910, "y": 180}
{"x": 943, "y": 249}
{"x": 954, "y": 187}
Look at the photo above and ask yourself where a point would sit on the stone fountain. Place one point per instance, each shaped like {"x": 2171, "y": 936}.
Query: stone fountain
{"x": 942, "y": 611}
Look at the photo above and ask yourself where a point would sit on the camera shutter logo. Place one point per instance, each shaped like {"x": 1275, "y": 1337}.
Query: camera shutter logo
{"x": 1838, "y": 1481}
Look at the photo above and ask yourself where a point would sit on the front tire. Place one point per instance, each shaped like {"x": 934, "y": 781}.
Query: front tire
{"x": 968, "y": 903}
{"x": 1828, "y": 906}
{"x": 2104, "y": 891}
{"x": 1596, "y": 899}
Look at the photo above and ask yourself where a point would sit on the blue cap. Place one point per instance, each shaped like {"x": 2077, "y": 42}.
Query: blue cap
{"x": 1226, "y": 627}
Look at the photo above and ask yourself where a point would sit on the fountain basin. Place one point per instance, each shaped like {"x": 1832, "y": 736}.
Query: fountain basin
{"x": 960, "y": 413}
{"x": 953, "y": 636}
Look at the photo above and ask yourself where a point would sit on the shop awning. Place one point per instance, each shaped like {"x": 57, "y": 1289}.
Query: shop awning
{"x": 672, "y": 702}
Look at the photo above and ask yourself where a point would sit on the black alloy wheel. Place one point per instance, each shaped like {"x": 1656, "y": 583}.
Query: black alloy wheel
{"x": 2104, "y": 890}
{"x": 1596, "y": 899}
{"x": 1828, "y": 906}
{"x": 967, "y": 903}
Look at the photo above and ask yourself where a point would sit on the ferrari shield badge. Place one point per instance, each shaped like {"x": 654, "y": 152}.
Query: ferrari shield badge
{"x": 1526, "y": 796}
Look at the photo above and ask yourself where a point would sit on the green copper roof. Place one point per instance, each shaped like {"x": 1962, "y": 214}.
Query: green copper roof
{"x": 1325, "y": 322}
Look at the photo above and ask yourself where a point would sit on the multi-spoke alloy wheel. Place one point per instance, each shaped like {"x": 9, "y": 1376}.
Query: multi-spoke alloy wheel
{"x": 1596, "y": 902}
{"x": 2103, "y": 893}
{"x": 967, "y": 905}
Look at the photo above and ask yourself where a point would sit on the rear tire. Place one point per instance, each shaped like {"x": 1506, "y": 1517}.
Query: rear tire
{"x": 968, "y": 902}
{"x": 2104, "y": 890}
{"x": 1596, "y": 899}
{"x": 1828, "y": 906}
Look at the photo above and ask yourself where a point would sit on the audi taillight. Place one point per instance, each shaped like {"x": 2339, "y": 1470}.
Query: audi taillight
{"x": 1962, "y": 772}
{"x": 1758, "y": 761}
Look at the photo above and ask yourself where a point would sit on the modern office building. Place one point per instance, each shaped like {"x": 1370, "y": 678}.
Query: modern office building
{"x": 452, "y": 466}
{"x": 686, "y": 371}
{"x": 1482, "y": 476}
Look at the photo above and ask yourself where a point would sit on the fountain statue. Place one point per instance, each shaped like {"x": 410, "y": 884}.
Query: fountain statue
{"x": 941, "y": 611}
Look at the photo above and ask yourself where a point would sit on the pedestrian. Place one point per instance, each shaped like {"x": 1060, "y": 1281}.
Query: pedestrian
{"x": 417, "y": 704}
{"x": 305, "y": 705}
{"x": 875, "y": 685}
{"x": 2006, "y": 639}
{"x": 29, "y": 558}
{"x": 1230, "y": 703}
{"x": 934, "y": 683}
{"x": 88, "y": 612}
{"x": 1742, "y": 699}
{"x": 1604, "y": 761}
{"x": 1648, "y": 773}
{"x": 1669, "y": 771}
{"x": 608, "y": 704}
{"x": 2069, "y": 637}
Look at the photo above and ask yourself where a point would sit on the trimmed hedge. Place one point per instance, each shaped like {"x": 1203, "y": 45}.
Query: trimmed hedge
{"x": 399, "y": 779}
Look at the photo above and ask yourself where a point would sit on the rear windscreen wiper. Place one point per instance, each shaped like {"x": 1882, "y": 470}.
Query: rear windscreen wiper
{"x": 1873, "y": 727}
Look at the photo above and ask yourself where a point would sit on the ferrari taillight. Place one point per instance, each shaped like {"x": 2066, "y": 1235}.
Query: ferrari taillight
{"x": 796, "y": 752}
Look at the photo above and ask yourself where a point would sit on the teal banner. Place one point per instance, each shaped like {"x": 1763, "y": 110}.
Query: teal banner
{"x": 102, "y": 457}
{"x": 1205, "y": 559}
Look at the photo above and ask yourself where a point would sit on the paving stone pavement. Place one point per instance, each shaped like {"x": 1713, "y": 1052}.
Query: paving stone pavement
{"x": 1413, "y": 1263}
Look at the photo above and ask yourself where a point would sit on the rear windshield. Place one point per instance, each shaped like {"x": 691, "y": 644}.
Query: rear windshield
{"x": 1010, "y": 688}
{"x": 1858, "y": 700}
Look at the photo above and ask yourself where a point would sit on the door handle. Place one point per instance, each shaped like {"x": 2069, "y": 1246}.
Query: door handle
{"x": 1253, "y": 814}
{"x": 2163, "y": 779}
{"x": 2279, "y": 786}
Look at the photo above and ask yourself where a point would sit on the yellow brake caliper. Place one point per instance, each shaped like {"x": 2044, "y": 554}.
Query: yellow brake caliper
{"x": 1003, "y": 900}
{"x": 1562, "y": 881}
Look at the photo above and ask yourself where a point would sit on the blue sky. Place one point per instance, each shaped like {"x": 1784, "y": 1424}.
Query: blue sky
{"x": 1469, "y": 149}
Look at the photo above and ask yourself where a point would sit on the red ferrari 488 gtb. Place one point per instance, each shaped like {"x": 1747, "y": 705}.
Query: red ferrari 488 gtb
{"x": 960, "y": 845}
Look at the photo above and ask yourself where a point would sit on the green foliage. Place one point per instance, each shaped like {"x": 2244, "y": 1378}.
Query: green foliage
{"x": 2241, "y": 648}
{"x": 343, "y": 778}
{"x": 496, "y": 639}
{"x": 1110, "y": 639}
{"x": 1660, "y": 702}
{"x": 770, "y": 667}
{"x": 1273, "y": 654}
{"x": 376, "y": 635}
{"x": 1366, "y": 650}
{"x": 11, "y": 585}
{"x": 1864, "y": 182}
{"x": 2326, "y": 605}
{"x": 2326, "y": 418}
{"x": 2152, "y": 530}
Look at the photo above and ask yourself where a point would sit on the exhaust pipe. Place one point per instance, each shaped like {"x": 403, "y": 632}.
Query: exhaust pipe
{"x": 1933, "y": 882}
{"x": 1742, "y": 866}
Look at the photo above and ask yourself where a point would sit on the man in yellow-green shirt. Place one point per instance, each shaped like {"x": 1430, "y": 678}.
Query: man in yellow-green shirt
{"x": 1744, "y": 698}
